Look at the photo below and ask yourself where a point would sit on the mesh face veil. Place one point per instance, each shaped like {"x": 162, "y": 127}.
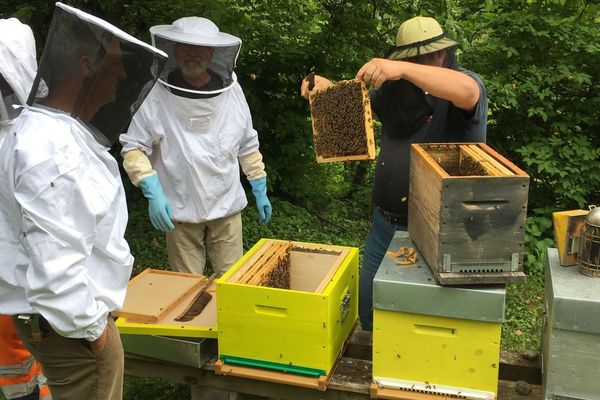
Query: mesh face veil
{"x": 95, "y": 72}
{"x": 201, "y": 59}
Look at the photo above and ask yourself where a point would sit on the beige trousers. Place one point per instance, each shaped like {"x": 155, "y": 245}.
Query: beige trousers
{"x": 189, "y": 245}
{"x": 72, "y": 370}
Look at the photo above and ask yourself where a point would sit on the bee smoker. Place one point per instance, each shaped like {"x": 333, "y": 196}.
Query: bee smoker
{"x": 588, "y": 258}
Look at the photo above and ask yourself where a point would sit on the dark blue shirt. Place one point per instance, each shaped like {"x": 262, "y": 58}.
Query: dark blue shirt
{"x": 429, "y": 120}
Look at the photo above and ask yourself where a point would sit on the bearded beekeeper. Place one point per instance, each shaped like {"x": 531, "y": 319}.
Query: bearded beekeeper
{"x": 186, "y": 143}
{"x": 66, "y": 263}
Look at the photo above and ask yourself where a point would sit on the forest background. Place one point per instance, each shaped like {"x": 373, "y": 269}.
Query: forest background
{"x": 539, "y": 60}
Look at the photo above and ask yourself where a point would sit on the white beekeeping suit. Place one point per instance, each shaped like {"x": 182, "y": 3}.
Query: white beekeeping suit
{"x": 186, "y": 143}
{"x": 66, "y": 263}
{"x": 193, "y": 137}
{"x": 18, "y": 67}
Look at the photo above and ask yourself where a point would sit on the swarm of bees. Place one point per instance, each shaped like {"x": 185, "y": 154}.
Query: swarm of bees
{"x": 338, "y": 115}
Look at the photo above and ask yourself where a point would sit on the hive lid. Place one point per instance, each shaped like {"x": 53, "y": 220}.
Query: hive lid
{"x": 572, "y": 299}
{"x": 413, "y": 289}
{"x": 155, "y": 298}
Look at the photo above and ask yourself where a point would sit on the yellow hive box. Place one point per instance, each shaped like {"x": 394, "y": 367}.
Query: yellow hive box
{"x": 299, "y": 330}
{"x": 436, "y": 350}
{"x": 434, "y": 339}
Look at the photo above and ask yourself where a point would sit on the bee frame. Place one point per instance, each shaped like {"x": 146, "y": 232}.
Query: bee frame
{"x": 330, "y": 143}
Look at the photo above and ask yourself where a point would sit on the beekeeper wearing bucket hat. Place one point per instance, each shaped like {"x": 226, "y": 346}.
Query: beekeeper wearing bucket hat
{"x": 186, "y": 143}
{"x": 420, "y": 95}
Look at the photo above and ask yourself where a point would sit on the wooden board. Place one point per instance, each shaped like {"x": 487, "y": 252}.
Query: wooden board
{"x": 489, "y": 164}
{"x": 272, "y": 376}
{"x": 154, "y": 293}
{"x": 425, "y": 203}
{"x": 337, "y": 114}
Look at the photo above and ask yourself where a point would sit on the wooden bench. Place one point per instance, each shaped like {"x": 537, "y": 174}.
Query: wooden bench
{"x": 351, "y": 378}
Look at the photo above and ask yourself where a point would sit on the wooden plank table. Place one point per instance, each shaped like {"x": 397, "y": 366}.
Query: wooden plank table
{"x": 351, "y": 379}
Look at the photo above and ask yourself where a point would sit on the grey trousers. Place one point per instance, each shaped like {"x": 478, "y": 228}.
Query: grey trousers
{"x": 72, "y": 370}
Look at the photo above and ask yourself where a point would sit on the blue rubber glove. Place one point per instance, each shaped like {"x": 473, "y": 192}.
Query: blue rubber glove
{"x": 259, "y": 190}
{"x": 159, "y": 208}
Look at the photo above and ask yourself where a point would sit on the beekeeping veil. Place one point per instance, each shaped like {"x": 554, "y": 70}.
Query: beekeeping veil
{"x": 195, "y": 47}
{"x": 18, "y": 66}
{"x": 95, "y": 72}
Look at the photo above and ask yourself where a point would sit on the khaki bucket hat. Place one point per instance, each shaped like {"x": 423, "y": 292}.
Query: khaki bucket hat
{"x": 417, "y": 36}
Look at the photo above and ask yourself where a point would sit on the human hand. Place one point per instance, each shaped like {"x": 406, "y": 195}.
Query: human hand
{"x": 259, "y": 189}
{"x": 379, "y": 70}
{"x": 98, "y": 345}
{"x": 159, "y": 208}
{"x": 320, "y": 84}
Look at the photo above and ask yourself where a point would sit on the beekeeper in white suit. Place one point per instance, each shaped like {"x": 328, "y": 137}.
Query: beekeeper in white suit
{"x": 186, "y": 142}
{"x": 18, "y": 66}
{"x": 66, "y": 263}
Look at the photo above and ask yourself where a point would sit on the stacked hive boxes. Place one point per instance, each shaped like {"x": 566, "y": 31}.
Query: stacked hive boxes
{"x": 433, "y": 339}
{"x": 467, "y": 210}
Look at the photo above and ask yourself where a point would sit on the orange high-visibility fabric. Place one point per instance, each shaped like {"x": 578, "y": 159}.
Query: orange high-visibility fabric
{"x": 17, "y": 367}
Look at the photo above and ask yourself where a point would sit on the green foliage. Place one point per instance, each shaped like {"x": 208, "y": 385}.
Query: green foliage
{"x": 136, "y": 388}
{"x": 540, "y": 60}
{"x": 524, "y": 315}
{"x": 341, "y": 223}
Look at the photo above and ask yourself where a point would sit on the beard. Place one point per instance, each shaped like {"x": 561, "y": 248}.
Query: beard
{"x": 194, "y": 69}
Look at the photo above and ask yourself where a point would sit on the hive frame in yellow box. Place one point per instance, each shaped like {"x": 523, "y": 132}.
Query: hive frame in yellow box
{"x": 289, "y": 330}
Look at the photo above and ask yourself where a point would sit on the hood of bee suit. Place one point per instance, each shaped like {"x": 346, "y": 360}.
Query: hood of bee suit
{"x": 95, "y": 72}
{"x": 18, "y": 64}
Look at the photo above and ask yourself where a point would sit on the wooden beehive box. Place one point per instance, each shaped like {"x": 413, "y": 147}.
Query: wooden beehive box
{"x": 342, "y": 122}
{"x": 298, "y": 330}
{"x": 466, "y": 213}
